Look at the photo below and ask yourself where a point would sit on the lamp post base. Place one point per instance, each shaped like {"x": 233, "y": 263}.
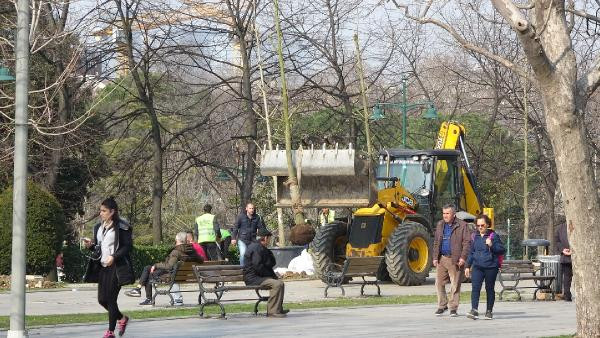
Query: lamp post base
{"x": 17, "y": 334}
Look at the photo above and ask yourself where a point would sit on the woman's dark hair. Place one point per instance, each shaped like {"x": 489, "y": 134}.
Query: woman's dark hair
{"x": 486, "y": 219}
{"x": 111, "y": 204}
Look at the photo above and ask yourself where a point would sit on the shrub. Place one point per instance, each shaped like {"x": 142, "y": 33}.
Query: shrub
{"x": 76, "y": 259}
{"x": 45, "y": 230}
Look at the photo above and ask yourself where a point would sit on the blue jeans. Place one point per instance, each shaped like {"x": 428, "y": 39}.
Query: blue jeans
{"x": 478, "y": 275}
{"x": 242, "y": 247}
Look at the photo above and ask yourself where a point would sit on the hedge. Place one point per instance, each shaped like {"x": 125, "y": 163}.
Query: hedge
{"x": 75, "y": 259}
{"x": 45, "y": 230}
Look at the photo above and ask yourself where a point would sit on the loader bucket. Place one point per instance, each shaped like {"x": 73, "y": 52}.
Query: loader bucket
{"x": 334, "y": 178}
{"x": 310, "y": 162}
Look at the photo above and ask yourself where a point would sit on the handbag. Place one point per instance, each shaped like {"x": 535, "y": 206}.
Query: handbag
{"x": 124, "y": 272}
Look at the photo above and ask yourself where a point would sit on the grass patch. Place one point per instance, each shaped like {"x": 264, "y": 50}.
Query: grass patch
{"x": 43, "y": 320}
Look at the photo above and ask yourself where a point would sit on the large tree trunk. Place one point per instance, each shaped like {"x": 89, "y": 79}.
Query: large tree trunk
{"x": 581, "y": 202}
{"x": 550, "y": 54}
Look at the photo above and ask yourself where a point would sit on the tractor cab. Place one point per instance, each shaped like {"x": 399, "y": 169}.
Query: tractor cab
{"x": 430, "y": 176}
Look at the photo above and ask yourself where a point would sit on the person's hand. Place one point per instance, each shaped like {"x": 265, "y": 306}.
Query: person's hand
{"x": 467, "y": 273}
{"x": 233, "y": 242}
{"x": 461, "y": 262}
{"x": 152, "y": 268}
{"x": 110, "y": 260}
{"x": 435, "y": 262}
{"x": 566, "y": 252}
{"x": 87, "y": 242}
{"x": 488, "y": 242}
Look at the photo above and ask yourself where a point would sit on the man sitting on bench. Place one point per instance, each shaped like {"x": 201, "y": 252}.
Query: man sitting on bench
{"x": 258, "y": 270}
{"x": 182, "y": 251}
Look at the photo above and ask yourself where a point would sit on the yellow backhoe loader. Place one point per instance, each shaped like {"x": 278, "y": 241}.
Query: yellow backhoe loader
{"x": 398, "y": 205}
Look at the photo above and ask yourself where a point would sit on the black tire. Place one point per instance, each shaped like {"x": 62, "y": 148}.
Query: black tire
{"x": 399, "y": 256}
{"x": 329, "y": 246}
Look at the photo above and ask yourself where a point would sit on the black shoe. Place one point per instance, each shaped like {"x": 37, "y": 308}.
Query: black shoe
{"x": 135, "y": 292}
{"x": 148, "y": 301}
{"x": 568, "y": 298}
{"x": 440, "y": 311}
{"x": 489, "y": 315}
{"x": 473, "y": 314}
{"x": 453, "y": 313}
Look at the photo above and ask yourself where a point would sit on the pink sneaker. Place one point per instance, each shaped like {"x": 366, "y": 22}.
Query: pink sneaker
{"x": 123, "y": 325}
{"x": 108, "y": 334}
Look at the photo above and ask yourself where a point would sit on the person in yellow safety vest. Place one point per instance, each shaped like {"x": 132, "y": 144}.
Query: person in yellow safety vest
{"x": 208, "y": 233}
{"x": 327, "y": 216}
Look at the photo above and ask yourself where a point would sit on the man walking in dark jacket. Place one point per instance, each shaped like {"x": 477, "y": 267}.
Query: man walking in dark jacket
{"x": 244, "y": 230}
{"x": 451, "y": 246}
{"x": 258, "y": 270}
{"x": 561, "y": 241}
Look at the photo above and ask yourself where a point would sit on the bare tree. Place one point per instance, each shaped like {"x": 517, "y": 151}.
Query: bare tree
{"x": 544, "y": 31}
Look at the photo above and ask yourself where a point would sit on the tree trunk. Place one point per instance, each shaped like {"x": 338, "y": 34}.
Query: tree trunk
{"x": 582, "y": 205}
{"x": 157, "y": 178}
{"x": 250, "y": 124}
{"x": 292, "y": 179}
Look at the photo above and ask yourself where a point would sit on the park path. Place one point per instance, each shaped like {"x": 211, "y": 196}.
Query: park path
{"x": 512, "y": 319}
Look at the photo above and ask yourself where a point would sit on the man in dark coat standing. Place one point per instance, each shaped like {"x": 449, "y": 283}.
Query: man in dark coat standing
{"x": 245, "y": 228}
{"x": 258, "y": 270}
{"x": 561, "y": 241}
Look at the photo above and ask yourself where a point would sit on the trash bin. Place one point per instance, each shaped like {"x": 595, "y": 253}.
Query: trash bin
{"x": 550, "y": 266}
{"x": 535, "y": 243}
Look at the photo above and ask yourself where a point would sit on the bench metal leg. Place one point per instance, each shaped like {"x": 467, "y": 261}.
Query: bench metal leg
{"x": 261, "y": 298}
{"x": 212, "y": 302}
{"x": 154, "y": 294}
{"x": 335, "y": 286}
{"x": 365, "y": 283}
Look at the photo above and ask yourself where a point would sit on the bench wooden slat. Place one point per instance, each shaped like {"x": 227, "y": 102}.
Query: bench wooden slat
{"x": 353, "y": 269}
{"x": 537, "y": 277}
{"x": 359, "y": 261}
{"x": 238, "y": 278}
{"x": 203, "y": 267}
{"x": 503, "y": 270}
{"x": 211, "y": 273}
{"x": 243, "y": 287}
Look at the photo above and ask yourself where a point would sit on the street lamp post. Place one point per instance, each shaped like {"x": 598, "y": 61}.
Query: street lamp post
{"x": 17, "y": 281}
{"x": 404, "y": 107}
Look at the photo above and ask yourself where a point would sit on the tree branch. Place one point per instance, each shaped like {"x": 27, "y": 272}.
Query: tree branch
{"x": 518, "y": 21}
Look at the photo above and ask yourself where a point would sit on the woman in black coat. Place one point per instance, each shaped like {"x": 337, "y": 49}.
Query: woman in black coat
{"x": 110, "y": 265}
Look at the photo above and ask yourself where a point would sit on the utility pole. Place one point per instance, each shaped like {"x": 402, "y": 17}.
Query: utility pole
{"x": 525, "y": 176}
{"x": 19, "y": 221}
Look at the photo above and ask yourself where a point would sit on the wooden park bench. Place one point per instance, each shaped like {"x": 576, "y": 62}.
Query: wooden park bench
{"x": 217, "y": 279}
{"x": 182, "y": 273}
{"x": 521, "y": 270}
{"x": 336, "y": 275}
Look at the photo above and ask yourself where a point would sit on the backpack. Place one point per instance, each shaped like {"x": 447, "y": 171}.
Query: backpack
{"x": 500, "y": 257}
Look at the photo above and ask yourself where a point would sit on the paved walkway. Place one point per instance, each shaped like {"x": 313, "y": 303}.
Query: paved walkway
{"x": 512, "y": 319}
{"x": 83, "y": 298}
